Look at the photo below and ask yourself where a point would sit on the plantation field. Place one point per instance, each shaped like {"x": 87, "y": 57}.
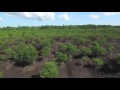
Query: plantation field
{"x": 86, "y": 51}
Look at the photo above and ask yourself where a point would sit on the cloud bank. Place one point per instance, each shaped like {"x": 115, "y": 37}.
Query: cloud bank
{"x": 65, "y": 16}
{"x": 111, "y": 13}
{"x": 41, "y": 16}
{"x": 1, "y": 19}
{"x": 94, "y": 16}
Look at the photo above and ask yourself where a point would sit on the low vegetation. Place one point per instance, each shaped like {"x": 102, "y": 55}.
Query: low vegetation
{"x": 1, "y": 74}
{"x": 24, "y": 54}
{"x": 91, "y": 45}
{"x": 85, "y": 51}
{"x": 97, "y": 63}
{"x": 49, "y": 70}
{"x": 61, "y": 57}
{"x": 45, "y": 52}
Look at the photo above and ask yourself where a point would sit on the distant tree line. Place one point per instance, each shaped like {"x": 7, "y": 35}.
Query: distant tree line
{"x": 89, "y": 26}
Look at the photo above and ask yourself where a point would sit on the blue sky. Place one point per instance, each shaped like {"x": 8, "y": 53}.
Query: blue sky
{"x": 58, "y": 18}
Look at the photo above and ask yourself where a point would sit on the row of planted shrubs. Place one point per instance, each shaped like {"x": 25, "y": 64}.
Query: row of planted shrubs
{"x": 49, "y": 70}
{"x": 67, "y": 51}
{"x": 91, "y": 53}
{"x": 64, "y": 54}
{"x": 44, "y": 48}
{"x": 23, "y": 53}
{"x": 96, "y": 49}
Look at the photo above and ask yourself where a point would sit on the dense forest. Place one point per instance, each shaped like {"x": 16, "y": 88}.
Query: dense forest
{"x": 73, "y": 51}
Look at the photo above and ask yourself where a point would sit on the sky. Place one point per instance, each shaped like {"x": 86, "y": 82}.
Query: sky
{"x": 58, "y": 18}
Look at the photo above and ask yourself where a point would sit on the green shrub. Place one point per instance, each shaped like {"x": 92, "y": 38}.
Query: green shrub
{"x": 101, "y": 41}
{"x": 45, "y": 43}
{"x": 68, "y": 48}
{"x": 49, "y": 70}
{"x": 9, "y": 52}
{"x": 71, "y": 49}
{"x": 98, "y": 63}
{"x": 6, "y": 54}
{"x": 84, "y": 51}
{"x": 2, "y": 48}
{"x": 63, "y": 48}
{"x": 82, "y": 40}
{"x": 61, "y": 57}
{"x": 97, "y": 49}
{"x": 95, "y": 43}
{"x": 25, "y": 54}
{"x": 1, "y": 74}
{"x": 45, "y": 51}
{"x": 111, "y": 47}
{"x": 85, "y": 59}
{"x": 118, "y": 58}
{"x": 79, "y": 40}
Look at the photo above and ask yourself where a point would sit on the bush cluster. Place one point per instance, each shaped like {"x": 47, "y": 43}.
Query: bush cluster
{"x": 49, "y": 70}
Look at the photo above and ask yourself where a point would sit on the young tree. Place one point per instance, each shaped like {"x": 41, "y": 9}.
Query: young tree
{"x": 84, "y": 60}
{"x": 63, "y": 48}
{"x": 97, "y": 49}
{"x": 68, "y": 48}
{"x": 98, "y": 63}
{"x": 45, "y": 43}
{"x": 49, "y": 70}
{"x": 110, "y": 47}
{"x": 25, "y": 54}
{"x": 61, "y": 57}
{"x": 45, "y": 52}
{"x": 71, "y": 50}
{"x": 85, "y": 51}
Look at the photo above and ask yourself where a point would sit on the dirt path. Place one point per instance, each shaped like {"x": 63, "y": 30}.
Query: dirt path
{"x": 73, "y": 70}
{"x": 21, "y": 72}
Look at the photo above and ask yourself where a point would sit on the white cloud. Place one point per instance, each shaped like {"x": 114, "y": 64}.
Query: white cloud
{"x": 65, "y": 16}
{"x": 118, "y": 12}
{"x": 41, "y": 16}
{"x": 111, "y": 13}
{"x": 1, "y": 19}
{"x": 94, "y": 16}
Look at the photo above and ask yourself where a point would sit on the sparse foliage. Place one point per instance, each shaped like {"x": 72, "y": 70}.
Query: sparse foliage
{"x": 85, "y": 51}
{"x": 111, "y": 47}
{"x": 85, "y": 59}
{"x": 98, "y": 63}
{"x": 1, "y": 74}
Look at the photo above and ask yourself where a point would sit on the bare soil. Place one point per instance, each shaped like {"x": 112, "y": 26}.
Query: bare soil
{"x": 72, "y": 69}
